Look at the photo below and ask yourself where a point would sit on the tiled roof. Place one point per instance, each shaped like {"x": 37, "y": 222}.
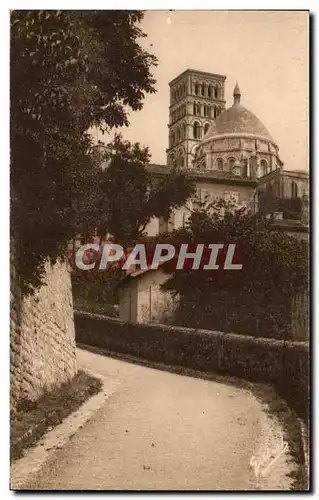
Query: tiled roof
{"x": 205, "y": 175}
{"x": 238, "y": 120}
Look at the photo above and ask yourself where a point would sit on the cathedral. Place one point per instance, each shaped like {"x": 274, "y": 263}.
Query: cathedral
{"x": 228, "y": 152}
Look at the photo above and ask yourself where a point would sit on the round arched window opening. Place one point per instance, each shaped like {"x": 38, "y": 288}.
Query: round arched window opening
{"x": 220, "y": 164}
{"x": 231, "y": 163}
{"x": 196, "y": 130}
{"x": 263, "y": 167}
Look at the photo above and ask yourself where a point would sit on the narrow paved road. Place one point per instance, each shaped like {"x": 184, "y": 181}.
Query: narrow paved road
{"x": 161, "y": 431}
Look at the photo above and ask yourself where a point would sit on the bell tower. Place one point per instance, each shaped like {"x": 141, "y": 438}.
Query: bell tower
{"x": 196, "y": 100}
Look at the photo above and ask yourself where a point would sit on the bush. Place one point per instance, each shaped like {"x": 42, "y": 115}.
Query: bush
{"x": 284, "y": 364}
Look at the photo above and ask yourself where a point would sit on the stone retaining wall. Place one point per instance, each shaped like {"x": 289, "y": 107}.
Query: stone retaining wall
{"x": 284, "y": 364}
{"x": 42, "y": 337}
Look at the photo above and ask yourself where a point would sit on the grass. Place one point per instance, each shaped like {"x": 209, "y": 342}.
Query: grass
{"x": 30, "y": 420}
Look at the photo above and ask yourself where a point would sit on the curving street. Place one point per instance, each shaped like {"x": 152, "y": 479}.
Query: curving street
{"x": 162, "y": 431}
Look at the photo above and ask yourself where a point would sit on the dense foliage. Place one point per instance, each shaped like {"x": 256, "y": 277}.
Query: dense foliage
{"x": 291, "y": 208}
{"x": 71, "y": 70}
{"x": 126, "y": 199}
{"x": 256, "y": 300}
{"x": 132, "y": 196}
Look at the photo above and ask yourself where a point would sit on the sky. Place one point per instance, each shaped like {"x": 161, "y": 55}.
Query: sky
{"x": 266, "y": 52}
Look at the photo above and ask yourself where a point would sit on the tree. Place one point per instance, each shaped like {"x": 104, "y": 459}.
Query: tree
{"x": 256, "y": 300}
{"x": 123, "y": 201}
{"x": 130, "y": 195}
{"x": 70, "y": 70}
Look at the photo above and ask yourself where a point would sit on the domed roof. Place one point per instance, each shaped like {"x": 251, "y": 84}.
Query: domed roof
{"x": 237, "y": 120}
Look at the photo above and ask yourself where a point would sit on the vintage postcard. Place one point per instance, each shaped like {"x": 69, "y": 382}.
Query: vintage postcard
{"x": 159, "y": 259}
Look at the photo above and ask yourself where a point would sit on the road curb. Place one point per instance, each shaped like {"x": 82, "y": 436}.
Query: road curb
{"x": 24, "y": 468}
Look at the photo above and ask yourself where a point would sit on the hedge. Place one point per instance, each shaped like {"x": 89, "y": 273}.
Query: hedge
{"x": 284, "y": 364}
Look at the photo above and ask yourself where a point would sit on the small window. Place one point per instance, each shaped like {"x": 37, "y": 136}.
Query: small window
{"x": 206, "y": 127}
{"x": 196, "y": 89}
{"x": 263, "y": 167}
{"x": 216, "y": 92}
{"x": 196, "y": 130}
{"x": 172, "y": 160}
{"x": 294, "y": 190}
{"x": 231, "y": 163}
{"x": 231, "y": 196}
{"x": 178, "y": 135}
{"x": 203, "y": 89}
{"x": 183, "y": 131}
{"x": 220, "y": 164}
{"x": 180, "y": 160}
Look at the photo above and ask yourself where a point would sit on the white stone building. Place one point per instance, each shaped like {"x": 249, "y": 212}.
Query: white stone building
{"x": 141, "y": 299}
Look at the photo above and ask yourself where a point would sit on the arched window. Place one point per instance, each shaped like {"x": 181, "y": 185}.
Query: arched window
{"x": 199, "y": 109}
{"x": 294, "y": 190}
{"x": 209, "y": 91}
{"x": 215, "y": 112}
{"x": 263, "y": 167}
{"x": 203, "y": 88}
{"x": 206, "y": 127}
{"x": 196, "y": 130}
{"x": 220, "y": 164}
{"x": 172, "y": 159}
{"x": 245, "y": 168}
{"x": 195, "y": 108}
{"x": 209, "y": 111}
{"x": 196, "y": 88}
{"x": 231, "y": 163}
{"x": 173, "y": 138}
{"x": 184, "y": 130}
{"x": 180, "y": 159}
{"x": 178, "y": 134}
{"x": 216, "y": 92}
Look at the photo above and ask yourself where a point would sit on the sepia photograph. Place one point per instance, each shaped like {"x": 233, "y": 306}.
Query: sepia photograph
{"x": 160, "y": 250}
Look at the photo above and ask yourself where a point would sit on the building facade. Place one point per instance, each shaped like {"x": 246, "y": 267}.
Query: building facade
{"x": 238, "y": 142}
{"x": 141, "y": 299}
{"x": 229, "y": 153}
{"x": 196, "y": 100}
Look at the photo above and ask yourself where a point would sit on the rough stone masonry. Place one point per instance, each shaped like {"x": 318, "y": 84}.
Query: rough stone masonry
{"x": 42, "y": 338}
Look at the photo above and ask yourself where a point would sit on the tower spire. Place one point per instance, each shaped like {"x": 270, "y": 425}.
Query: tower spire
{"x": 236, "y": 94}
